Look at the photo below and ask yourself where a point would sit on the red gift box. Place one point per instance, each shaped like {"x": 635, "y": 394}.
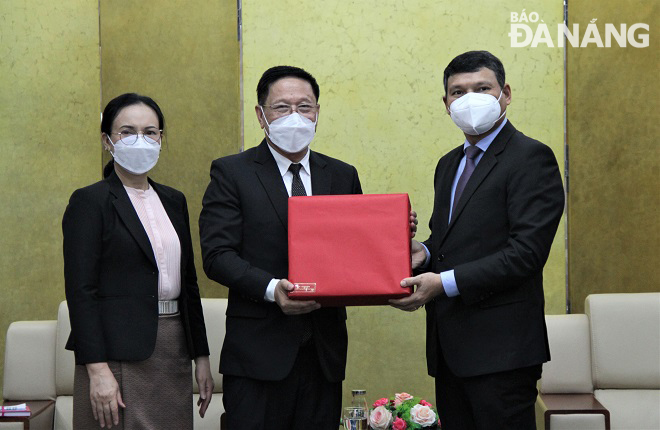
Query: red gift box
{"x": 349, "y": 249}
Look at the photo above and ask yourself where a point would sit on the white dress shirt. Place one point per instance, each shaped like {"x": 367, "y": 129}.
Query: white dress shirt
{"x": 283, "y": 164}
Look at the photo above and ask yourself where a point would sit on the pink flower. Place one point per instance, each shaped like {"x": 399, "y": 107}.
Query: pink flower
{"x": 425, "y": 403}
{"x": 423, "y": 415}
{"x": 380, "y": 418}
{"x": 401, "y": 397}
{"x": 399, "y": 424}
{"x": 381, "y": 402}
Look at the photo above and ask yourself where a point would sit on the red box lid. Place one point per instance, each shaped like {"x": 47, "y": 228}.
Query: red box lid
{"x": 349, "y": 249}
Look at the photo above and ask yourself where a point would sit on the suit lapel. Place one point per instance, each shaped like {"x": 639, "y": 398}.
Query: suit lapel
{"x": 321, "y": 177}
{"x": 484, "y": 167}
{"x": 486, "y": 164}
{"x": 129, "y": 217}
{"x": 446, "y": 182}
{"x": 271, "y": 180}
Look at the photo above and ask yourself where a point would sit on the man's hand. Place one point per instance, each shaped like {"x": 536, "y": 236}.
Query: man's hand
{"x": 429, "y": 285}
{"x": 413, "y": 223}
{"x": 417, "y": 254}
{"x": 292, "y": 307}
{"x": 104, "y": 394}
{"x": 204, "y": 382}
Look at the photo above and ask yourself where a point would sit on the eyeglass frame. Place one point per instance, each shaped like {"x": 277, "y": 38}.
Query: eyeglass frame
{"x": 290, "y": 108}
{"x": 137, "y": 134}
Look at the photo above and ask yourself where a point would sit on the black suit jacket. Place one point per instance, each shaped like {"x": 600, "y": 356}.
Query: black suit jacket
{"x": 497, "y": 244}
{"x": 111, "y": 276}
{"x": 243, "y": 229}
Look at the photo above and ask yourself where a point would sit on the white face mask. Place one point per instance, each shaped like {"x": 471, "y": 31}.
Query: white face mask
{"x": 476, "y": 113}
{"x": 291, "y": 133}
{"x": 138, "y": 158}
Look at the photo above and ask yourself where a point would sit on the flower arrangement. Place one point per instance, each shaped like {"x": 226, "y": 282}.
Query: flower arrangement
{"x": 403, "y": 412}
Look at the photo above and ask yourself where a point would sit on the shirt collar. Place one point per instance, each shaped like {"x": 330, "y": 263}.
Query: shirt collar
{"x": 283, "y": 163}
{"x": 138, "y": 192}
{"x": 484, "y": 143}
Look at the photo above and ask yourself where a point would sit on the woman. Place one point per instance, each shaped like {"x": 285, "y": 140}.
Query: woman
{"x": 131, "y": 286}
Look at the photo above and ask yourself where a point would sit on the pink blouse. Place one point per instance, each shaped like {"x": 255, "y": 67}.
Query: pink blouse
{"x": 164, "y": 240}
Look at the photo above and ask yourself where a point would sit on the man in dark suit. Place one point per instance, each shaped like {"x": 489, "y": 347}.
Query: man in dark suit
{"x": 498, "y": 202}
{"x": 283, "y": 361}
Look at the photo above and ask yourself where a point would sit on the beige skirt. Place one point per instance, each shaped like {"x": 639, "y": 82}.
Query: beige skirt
{"x": 157, "y": 392}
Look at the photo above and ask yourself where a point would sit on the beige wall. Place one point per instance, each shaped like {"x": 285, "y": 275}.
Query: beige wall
{"x": 379, "y": 65}
{"x": 612, "y": 124}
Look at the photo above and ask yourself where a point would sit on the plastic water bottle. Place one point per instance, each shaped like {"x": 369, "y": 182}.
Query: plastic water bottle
{"x": 360, "y": 399}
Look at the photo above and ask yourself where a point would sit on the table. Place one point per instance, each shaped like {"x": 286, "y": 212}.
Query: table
{"x": 36, "y": 406}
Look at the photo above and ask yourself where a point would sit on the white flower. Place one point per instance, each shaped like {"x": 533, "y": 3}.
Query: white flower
{"x": 423, "y": 415}
{"x": 401, "y": 397}
{"x": 380, "y": 418}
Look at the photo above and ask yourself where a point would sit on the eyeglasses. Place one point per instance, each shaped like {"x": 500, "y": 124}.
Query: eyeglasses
{"x": 129, "y": 137}
{"x": 284, "y": 109}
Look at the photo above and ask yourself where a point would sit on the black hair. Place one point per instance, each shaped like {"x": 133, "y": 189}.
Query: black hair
{"x": 113, "y": 108}
{"x": 472, "y": 61}
{"x": 276, "y": 73}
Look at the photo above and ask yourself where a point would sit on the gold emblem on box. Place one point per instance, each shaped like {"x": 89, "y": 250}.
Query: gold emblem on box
{"x": 304, "y": 287}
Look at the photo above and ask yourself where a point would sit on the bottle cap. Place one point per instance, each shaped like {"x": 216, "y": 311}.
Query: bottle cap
{"x": 359, "y": 392}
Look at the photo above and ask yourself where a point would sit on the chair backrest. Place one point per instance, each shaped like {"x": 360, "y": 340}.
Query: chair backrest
{"x": 569, "y": 370}
{"x": 214, "y": 318}
{"x": 29, "y": 372}
{"x": 64, "y": 359}
{"x": 625, "y": 340}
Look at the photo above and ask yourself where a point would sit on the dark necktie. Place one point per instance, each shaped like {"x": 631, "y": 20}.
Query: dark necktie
{"x": 297, "y": 187}
{"x": 471, "y": 153}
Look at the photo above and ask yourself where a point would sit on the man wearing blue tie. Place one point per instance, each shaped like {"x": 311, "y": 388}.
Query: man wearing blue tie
{"x": 498, "y": 202}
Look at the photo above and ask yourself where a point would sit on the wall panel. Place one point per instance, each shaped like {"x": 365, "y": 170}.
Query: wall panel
{"x": 49, "y": 111}
{"x": 185, "y": 56}
{"x": 612, "y": 125}
{"x": 379, "y": 65}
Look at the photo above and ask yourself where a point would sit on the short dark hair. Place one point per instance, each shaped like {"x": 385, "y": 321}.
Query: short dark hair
{"x": 276, "y": 73}
{"x": 113, "y": 108}
{"x": 472, "y": 61}
{"x": 120, "y": 102}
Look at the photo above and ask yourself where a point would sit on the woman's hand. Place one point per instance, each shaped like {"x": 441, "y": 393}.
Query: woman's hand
{"x": 104, "y": 394}
{"x": 204, "y": 382}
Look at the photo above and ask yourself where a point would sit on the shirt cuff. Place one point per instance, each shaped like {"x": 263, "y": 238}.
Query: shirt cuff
{"x": 428, "y": 257}
{"x": 270, "y": 290}
{"x": 449, "y": 283}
